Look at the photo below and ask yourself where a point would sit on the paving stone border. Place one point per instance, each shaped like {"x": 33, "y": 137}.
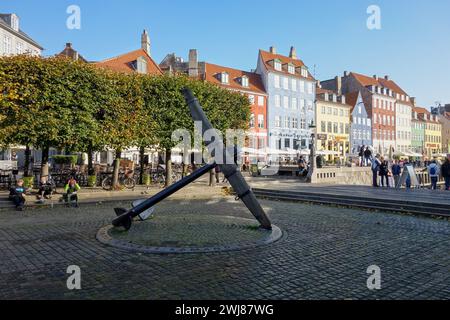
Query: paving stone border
{"x": 267, "y": 237}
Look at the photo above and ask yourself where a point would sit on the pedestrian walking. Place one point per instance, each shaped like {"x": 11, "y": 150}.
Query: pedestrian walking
{"x": 445, "y": 170}
{"x": 396, "y": 172}
{"x": 375, "y": 169}
{"x": 361, "y": 155}
{"x": 433, "y": 172}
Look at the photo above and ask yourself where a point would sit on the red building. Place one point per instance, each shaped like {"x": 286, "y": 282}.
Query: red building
{"x": 247, "y": 83}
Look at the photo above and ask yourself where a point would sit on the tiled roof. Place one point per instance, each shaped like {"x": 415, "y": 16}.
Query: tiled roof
{"x": 381, "y": 82}
{"x": 124, "y": 62}
{"x": 212, "y": 72}
{"x": 20, "y": 33}
{"x": 267, "y": 57}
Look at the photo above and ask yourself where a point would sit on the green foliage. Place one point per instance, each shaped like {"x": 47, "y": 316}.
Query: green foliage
{"x": 92, "y": 181}
{"x": 28, "y": 182}
{"x": 56, "y": 102}
{"x": 63, "y": 159}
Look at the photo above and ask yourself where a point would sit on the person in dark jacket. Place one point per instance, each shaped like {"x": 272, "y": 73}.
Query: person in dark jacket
{"x": 367, "y": 156}
{"x": 384, "y": 172}
{"x": 445, "y": 170}
{"x": 375, "y": 169}
{"x": 396, "y": 172}
{"x": 16, "y": 195}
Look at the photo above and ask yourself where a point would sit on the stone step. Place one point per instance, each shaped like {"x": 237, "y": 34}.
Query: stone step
{"x": 421, "y": 202}
{"x": 355, "y": 202}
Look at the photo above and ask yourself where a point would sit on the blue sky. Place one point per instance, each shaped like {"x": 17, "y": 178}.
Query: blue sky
{"x": 413, "y": 45}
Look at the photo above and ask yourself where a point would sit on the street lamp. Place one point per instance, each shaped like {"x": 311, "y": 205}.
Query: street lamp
{"x": 312, "y": 149}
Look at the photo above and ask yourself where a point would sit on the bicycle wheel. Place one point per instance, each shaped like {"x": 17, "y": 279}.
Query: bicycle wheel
{"x": 107, "y": 183}
{"x": 129, "y": 183}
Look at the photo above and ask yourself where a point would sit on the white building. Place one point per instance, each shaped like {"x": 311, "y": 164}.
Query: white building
{"x": 13, "y": 40}
{"x": 403, "y": 115}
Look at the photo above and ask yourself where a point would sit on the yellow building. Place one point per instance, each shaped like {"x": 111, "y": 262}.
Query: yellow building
{"x": 333, "y": 125}
{"x": 433, "y": 132}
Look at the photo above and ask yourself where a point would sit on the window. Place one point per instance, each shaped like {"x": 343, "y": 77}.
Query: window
{"x": 335, "y": 111}
{"x": 310, "y": 105}
{"x": 310, "y": 88}
{"x": 244, "y": 81}
{"x": 286, "y": 102}
{"x": 330, "y": 110}
{"x": 260, "y": 101}
{"x": 285, "y": 83}
{"x": 294, "y": 123}
{"x": 341, "y": 128}
{"x": 302, "y": 86}
{"x": 286, "y": 122}
{"x": 224, "y": 77}
{"x": 277, "y": 101}
{"x": 302, "y": 105}
{"x": 291, "y": 69}
{"x": 294, "y": 85}
{"x": 304, "y": 72}
{"x": 359, "y": 109}
{"x": 141, "y": 66}
{"x": 261, "y": 121}
{"x": 324, "y": 110}
{"x": 277, "y": 121}
{"x": 277, "y": 65}
{"x": 329, "y": 127}
{"x": 6, "y": 45}
{"x": 287, "y": 143}
{"x": 341, "y": 112}
{"x": 252, "y": 120}
{"x": 251, "y": 98}
{"x": 323, "y": 126}
{"x": 276, "y": 80}
{"x": 335, "y": 127}
{"x": 294, "y": 103}
{"x": 19, "y": 47}
{"x": 302, "y": 124}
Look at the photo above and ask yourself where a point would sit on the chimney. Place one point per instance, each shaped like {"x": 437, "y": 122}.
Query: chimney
{"x": 193, "y": 63}
{"x": 68, "y": 45}
{"x": 293, "y": 53}
{"x": 273, "y": 50}
{"x": 345, "y": 73}
{"x": 145, "y": 42}
{"x": 413, "y": 101}
{"x": 386, "y": 77}
{"x": 319, "y": 85}
{"x": 375, "y": 77}
{"x": 338, "y": 81}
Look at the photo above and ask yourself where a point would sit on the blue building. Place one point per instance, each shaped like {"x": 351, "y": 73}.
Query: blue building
{"x": 291, "y": 106}
{"x": 361, "y": 124}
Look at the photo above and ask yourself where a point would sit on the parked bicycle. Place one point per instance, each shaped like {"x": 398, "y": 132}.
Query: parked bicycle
{"x": 126, "y": 179}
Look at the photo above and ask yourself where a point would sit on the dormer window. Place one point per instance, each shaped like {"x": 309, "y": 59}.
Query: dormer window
{"x": 224, "y": 78}
{"x": 15, "y": 22}
{"x": 141, "y": 65}
{"x": 277, "y": 65}
{"x": 304, "y": 72}
{"x": 291, "y": 68}
{"x": 244, "y": 81}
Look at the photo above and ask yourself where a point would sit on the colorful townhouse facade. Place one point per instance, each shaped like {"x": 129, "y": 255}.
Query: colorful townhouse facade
{"x": 380, "y": 96}
{"x": 360, "y": 123}
{"x": 291, "y": 92}
{"x": 244, "y": 82}
{"x": 432, "y": 132}
{"x": 417, "y": 133}
{"x": 333, "y": 124}
{"x": 443, "y": 113}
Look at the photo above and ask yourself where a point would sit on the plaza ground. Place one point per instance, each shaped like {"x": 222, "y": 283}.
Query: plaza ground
{"x": 324, "y": 254}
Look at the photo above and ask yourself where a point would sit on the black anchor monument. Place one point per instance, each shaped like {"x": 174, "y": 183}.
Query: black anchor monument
{"x": 234, "y": 177}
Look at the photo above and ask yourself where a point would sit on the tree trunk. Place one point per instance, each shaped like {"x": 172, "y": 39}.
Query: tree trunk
{"x": 115, "y": 179}
{"x": 26, "y": 170}
{"x": 168, "y": 168}
{"x": 44, "y": 161}
{"x": 141, "y": 161}
{"x": 90, "y": 154}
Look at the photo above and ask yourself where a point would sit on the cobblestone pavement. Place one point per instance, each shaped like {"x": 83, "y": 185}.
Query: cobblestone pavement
{"x": 324, "y": 254}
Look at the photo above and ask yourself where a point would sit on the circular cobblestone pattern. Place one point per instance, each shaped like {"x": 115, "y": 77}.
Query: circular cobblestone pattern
{"x": 194, "y": 233}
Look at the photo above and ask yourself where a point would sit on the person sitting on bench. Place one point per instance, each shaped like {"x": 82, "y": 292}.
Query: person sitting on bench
{"x": 46, "y": 189}
{"x": 16, "y": 195}
{"x": 70, "y": 195}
